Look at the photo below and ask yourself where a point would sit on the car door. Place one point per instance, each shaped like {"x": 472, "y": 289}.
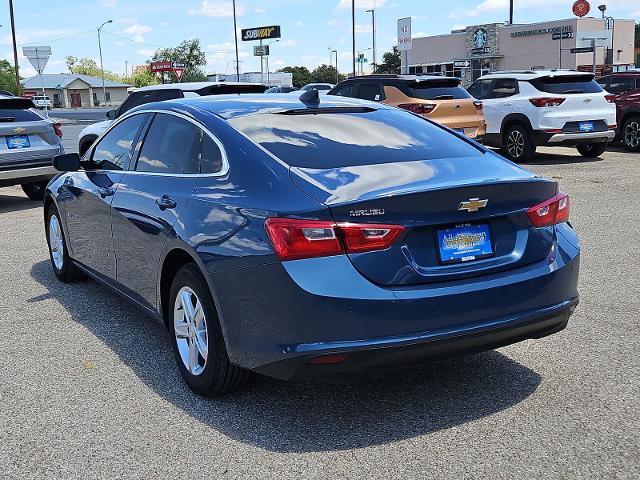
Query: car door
{"x": 494, "y": 108}
{"x": 89, "y": 193}
{"x": 150, "y": 198}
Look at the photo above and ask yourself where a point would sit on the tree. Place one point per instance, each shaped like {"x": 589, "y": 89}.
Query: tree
{"x": 326, "y": 74}
{"x": 301, "y": 75}
{"x": 390, "y": 62}
{"x": 142, "y": 77}
{"x": 88, "y": 66}
{"x": 188, "y": 52}
{"x": 7, "y": 77}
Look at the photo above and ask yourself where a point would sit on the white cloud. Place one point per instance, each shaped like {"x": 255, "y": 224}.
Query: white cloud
{"x": 145, "y": 52}
{"x": 288, "y": 43}
{"x": 454, "y": 15}
{"x": 361, "y": 4}
{"x": 110, "y": 3}
{"x": 222, "y": 9}
{"x": 260, "y": 10}
{"x": 137, "y": 30}
{"x": 458, "y": 26}
{"x": 366, "y": 28}
{"x": 334, "y": 22}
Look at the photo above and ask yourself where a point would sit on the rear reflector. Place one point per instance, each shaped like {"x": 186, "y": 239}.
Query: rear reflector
{"x": 611, "y": 98}
{"x": 331, "y": 359}
{"x": 547, "y": 102}
{"x": 478, "y": 104}
{"x": 419, "y": 108}
{"x": 294, "y": 239}
{"x": 551, "y": 212}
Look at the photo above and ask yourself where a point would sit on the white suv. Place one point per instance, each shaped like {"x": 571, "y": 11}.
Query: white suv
{"x": 526, "y": 109}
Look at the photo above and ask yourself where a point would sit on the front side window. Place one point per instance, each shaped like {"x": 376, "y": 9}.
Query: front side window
{"x": 172, "y": 145}
{"x": 481, "y": 89}
{"x": 114, "y": 150}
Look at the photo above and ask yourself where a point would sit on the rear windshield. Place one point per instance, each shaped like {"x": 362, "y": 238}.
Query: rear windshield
{"x": 333, "y": 140}
{"x": 17, "y": 115}
{"x": 438, "y": 90}
{"x": 567, "y": 84}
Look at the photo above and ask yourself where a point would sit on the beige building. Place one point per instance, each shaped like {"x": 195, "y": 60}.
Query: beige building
{"x": 76, "y": 91}
{"x": 476, "y": 50}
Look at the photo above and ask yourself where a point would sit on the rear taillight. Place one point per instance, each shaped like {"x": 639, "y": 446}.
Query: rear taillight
{"x": 58, "y": 129}
{"x": 547, "y": 102}
{"x": 610, "y": 98}
{"x": 478, "y": 104}
{"x": 294, "y": 239}
{"x": 419, "y": 108}
{"x": 553, "y": 211}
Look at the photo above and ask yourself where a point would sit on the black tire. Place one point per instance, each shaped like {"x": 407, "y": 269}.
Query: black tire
{"x": 64, "y": 270}
{"x": 218, "y": 376}
{"x": 630, "y": 134}
{"x": 517, "y": 144}
{"x": 85, "y": 143}
{"x": 35, "y": 191}
{"x": 592, "y": 150}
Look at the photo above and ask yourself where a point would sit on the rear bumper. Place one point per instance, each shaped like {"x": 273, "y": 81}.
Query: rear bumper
{"x": 542, "y": 138}
{"x": 26, "y": 175}
{"x": 394, "y": 353}
{"x": 277, "y": 316}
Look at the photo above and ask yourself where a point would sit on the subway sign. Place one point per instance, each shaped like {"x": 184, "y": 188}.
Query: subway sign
{"x": 260, "y": 33}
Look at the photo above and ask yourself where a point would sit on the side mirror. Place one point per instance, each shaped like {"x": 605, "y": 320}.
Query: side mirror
{"x": 112, "y": 114}
{"x": 68, "y": 162}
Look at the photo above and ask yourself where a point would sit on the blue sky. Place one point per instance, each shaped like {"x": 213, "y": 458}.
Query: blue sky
{"x": 309, "y": 28}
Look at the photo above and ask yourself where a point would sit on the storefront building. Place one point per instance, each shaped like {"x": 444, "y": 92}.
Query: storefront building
{"x": 472, "y": 52}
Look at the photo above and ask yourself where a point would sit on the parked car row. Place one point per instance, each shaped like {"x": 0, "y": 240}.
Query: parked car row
{"x": 514, "y": 111}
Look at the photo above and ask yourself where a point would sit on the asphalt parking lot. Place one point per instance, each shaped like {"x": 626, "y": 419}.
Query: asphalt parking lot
{"x": 89, "y": 388}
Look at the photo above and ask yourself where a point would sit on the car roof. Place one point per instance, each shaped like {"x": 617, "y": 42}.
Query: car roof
{"x": 190, "y": 86}
{"x": 235, "y": 105}
{"x": 399, "y": 77}
{"x": 532, "y": 74}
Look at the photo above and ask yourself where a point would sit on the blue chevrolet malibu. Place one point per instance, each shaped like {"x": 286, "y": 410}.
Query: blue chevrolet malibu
{"x": 304, "y": 238}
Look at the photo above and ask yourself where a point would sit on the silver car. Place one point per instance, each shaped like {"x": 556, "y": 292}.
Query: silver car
{"x": 28, "y": 143}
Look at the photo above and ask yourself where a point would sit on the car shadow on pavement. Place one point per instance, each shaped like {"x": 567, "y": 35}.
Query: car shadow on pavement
{"x": 542, "y": 158}
{"x": 15, "y": 203}
{"x": 301, "y": 417}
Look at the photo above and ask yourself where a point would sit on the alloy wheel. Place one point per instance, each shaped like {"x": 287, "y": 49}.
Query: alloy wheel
{"x": 515, "y": 144}
{"x": 56, "y": 242}
{"x": 632, "y": 134}
{"x": 190, "y": 327}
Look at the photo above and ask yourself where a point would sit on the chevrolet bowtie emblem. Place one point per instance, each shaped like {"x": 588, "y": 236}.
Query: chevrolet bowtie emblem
{"x": 473, "y": 205}
{"x": 19, "y": 130}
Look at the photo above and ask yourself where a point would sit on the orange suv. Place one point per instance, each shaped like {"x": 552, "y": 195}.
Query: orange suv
{"x": 440, "y": 99}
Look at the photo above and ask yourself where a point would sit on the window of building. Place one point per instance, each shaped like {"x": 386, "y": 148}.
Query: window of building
{"x": 107, "y": 97}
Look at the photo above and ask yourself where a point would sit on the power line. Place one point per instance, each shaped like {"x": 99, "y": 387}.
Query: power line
{"x": 133, "y": 41}
{"x": 59, "y": 38}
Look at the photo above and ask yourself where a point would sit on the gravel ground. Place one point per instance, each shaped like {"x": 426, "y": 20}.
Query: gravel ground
{"x": 89, "y": 388}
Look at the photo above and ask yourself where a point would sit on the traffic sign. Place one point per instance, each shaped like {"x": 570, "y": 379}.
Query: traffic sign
{"x": 562, "y": 36}
{"x": 461, "y": 64}
{"x": 582, "y": 50}
{"x": 179, "y": 73}
{"x": 37, "y": 56}
{"x": 581, "y": 8}
{"x": 404, "y": 33}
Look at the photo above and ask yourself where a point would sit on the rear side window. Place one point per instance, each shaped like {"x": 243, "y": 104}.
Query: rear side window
{"x": 444, "y": 89}
{"x": 18, "y": 115}
{"x": 167, "y": 94}
{"x": 211, "y": 161}
{"x": 331, "y": 140}
{"x": 371, "y": 91}
{"x": 504, "y": 87}
{"x": 172, "y": 145}
{"x": 347, "y": 90}
{"x": 618, "y": 85}
{"x": 567, "y": 84}
{"x": 136, "y": 99}
{"x": 114, "y": 150}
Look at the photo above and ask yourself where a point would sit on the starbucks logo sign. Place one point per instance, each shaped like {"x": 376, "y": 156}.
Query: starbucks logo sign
{"x": 480, "y": 37}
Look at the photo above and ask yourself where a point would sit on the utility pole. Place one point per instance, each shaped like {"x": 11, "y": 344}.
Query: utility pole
{"x": 15, "y": 48}
{"x": 353, "y": 35}
{"x": 235, "y": 34}
{"x": 336, "y": 52}
{"x": 126, "y": 68}
{"x": 510, "y": 12}
{"x": 104, "y": 90}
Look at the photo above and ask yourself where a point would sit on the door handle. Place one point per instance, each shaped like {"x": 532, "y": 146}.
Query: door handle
{"x": 165, "y": 202}
{"x": 106, "y": 191}
{"x": 68, "y": 182}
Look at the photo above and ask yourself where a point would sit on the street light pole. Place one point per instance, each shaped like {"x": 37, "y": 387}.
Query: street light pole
{"x": 15, "y": 48}
{"x": 104, "y": 90}
{"x": 373, "y": 28}
{"x": 235, "y": 34}
{"x": 268, "y": 74}
{"x": 353, "y": 35}
{"x": 336, "y": 52}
